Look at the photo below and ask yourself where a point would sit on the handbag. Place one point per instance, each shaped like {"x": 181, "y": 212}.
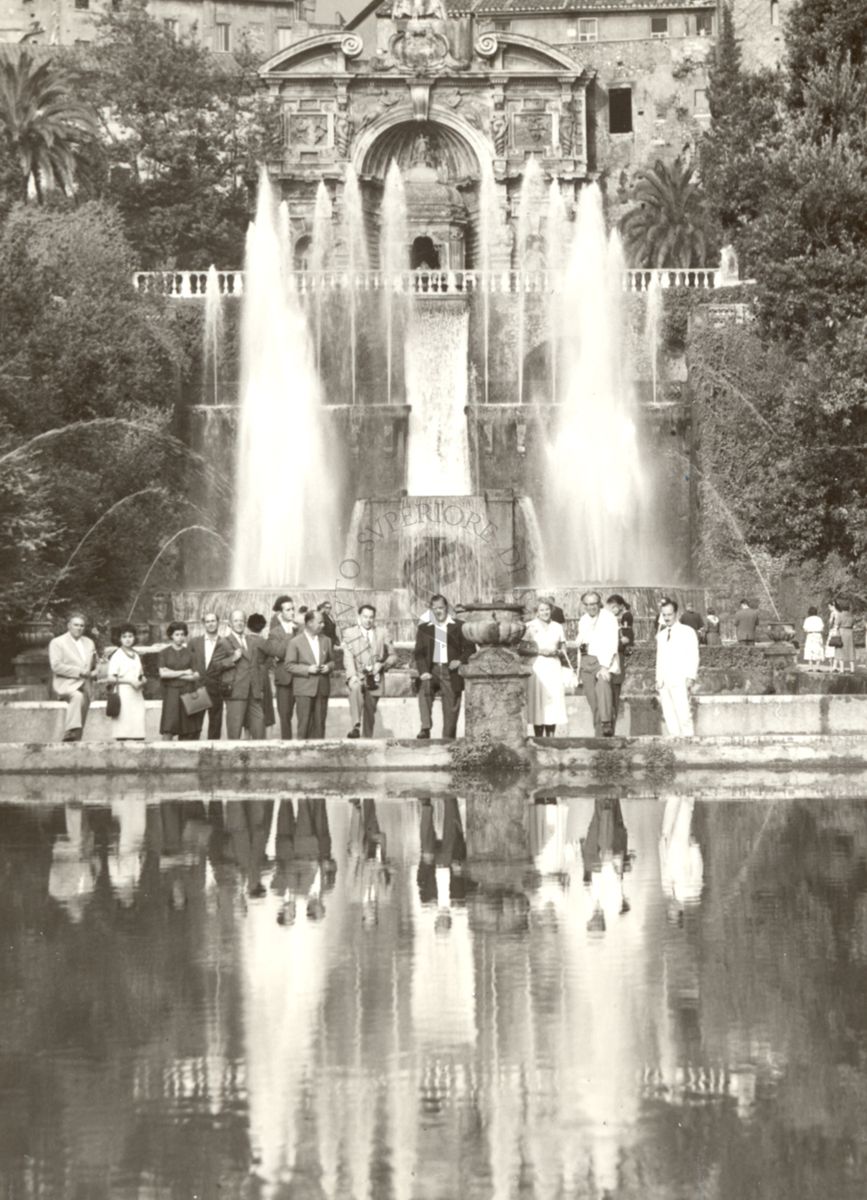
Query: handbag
{"x": 112, "y": 703}
{"x": 835, "y": 641}
{"x": 196, "y": 702}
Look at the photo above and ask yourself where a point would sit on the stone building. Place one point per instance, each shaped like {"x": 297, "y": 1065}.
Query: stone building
{"x": 220, "y": 25}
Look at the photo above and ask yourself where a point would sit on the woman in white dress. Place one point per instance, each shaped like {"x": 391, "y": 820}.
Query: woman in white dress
{"x": 814, "y": 628}
{"x": 545, "y": 640}
{"x": 125, "y": 672}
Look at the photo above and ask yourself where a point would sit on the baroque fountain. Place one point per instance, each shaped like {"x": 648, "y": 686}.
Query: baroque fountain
{"x": 439, "y": 347}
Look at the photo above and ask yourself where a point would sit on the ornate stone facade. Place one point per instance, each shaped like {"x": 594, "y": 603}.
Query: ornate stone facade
{"x": 448, "y": 104}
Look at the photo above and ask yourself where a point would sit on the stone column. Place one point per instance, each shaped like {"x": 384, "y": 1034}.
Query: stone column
{"x": 495, "y": 695}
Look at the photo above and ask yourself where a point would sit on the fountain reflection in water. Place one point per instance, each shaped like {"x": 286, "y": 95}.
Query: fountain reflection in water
{"x": 353, "y": 239}
{"x": 596, "y": 493}
{"x": 393, "y": 260}
{"x": 281, "y": 461}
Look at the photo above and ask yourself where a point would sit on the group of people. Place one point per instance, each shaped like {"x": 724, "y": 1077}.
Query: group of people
{"x": 835, "y": 646}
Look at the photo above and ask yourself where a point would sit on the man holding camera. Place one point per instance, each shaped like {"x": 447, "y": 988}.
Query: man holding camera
{"x": 367, "y": 655}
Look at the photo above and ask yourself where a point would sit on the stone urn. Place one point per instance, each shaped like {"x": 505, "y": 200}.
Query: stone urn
{"x": 495, "y": 678}
{"x": 36, "y": 633}
{"x": 781, "y": 631}
{"x": 494, "y": 624}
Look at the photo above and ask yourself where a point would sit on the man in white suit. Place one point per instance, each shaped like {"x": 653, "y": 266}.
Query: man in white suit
{"x": 367, "y": 654}
{"x": 73, "y": 667}
{"x": 676, "y": 671}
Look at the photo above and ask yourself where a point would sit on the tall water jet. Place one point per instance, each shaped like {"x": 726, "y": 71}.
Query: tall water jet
{"x": 285, "y": 521}
{"x": 557, "y": 241}
{"x": 321, "y": 247}
{"x": 596, "y": 491}
{"x": 394, "y": 239}
{"x": 438, "y": 454}
{"x": 651, "y": 329}
{"x": 213, "y": 338}
{"x": 489, "y": 232}
{"x": 530, "y": 255}
{"x": 354, "y": 241}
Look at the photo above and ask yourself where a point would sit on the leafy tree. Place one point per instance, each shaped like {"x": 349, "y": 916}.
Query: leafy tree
{"x": 46, "y": 132}
{"x": 184, "y": 133}
{"x": 668, "y": 226}
{"x": 83, "y": 354}
{"x": 823, "y": 34}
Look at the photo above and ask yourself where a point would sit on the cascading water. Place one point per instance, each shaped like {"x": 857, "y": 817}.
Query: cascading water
{"x": 321, "y": 247}
{"x": 489, "y": 232}
{"x": 285, "y": 511}
{"x": 557, "y": 241}
{"x": 529, "y": 250}
{"x": 651, "y": 328}
{"x": 213, "y": 338}
{"x": 353, "y": 238}
{"x": 438, "y": 453}
{"x": 393, "y": 258}
{"x": 596, "y": 495}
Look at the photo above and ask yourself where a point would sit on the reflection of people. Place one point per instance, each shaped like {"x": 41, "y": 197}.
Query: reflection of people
{"x": 73, "y": 668}
{"x": 681, "y": 865}
{"x": 310, "y": 663}
{"x": 368, "y": 858}
{"x": 599, "y": 639}
{"x": 546, "y": 695}
{"x": 676, "y": 671}
{"x": 74, "y": 864}
{"x": 604, "y": 851}
{"x": 125, "y": 672}
{"x": 440, "y": 649}
{"x": 367, "y": 654}
{"x": 441, "y": 876}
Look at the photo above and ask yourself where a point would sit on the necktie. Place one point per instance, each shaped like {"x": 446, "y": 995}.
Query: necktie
{"x": 668, "y": 639}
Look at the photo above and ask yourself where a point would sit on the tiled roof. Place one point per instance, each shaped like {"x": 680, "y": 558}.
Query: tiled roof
{"x": 498, "y": 7}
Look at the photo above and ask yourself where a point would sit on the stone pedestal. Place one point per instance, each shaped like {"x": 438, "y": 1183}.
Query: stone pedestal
{"x": 32, "y": 668}
{"x": 495, "y": 695}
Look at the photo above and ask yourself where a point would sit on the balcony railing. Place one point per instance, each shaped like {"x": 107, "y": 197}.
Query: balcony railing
{"x": 185, "y": 285}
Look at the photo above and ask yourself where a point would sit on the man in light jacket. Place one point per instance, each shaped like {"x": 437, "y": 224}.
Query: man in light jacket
{"x": 599, "y": 642}
{"x": 676, "y": 671}
{"x": 367, "y": 654}
{"x": 73, "y": 667}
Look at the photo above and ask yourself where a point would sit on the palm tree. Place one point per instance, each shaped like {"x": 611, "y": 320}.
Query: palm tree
{"x": 668, "y": 227}
{"x": 47, "y": 132}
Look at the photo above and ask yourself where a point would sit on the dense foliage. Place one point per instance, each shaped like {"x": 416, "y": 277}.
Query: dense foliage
{"x": 183, "y": 132}
{"x": 89, "y": 374}
{"x": 782, "y": 406}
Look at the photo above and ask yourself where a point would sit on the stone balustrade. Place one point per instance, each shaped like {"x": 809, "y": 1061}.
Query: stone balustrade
{"x": 184, "y": 285}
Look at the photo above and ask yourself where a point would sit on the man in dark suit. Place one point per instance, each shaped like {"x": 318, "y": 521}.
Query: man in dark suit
{"x": 310, "y": 663}
{"x": 440, "y": 649}
{"x": 283, "y": 629}
{"x": 244, "y": 684}
{"x": 212, "y": 655}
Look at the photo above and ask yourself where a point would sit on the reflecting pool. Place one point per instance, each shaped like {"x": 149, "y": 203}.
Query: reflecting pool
{"x": 434, "y": 997}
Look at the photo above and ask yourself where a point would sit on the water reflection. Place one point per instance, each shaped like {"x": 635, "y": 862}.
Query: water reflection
{"x": 298, "y": 995}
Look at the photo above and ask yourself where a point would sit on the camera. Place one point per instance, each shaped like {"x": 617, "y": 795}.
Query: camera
{"x": 370, "y": 681}
{"x": 583, "y": 648}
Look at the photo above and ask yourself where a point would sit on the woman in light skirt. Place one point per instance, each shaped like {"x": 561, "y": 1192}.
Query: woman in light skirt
{"x": 126, "y": 674}
{"x": 545, "y": 641}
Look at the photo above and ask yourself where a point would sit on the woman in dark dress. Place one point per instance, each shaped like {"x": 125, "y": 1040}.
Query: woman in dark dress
{"x": 178, "y": 676}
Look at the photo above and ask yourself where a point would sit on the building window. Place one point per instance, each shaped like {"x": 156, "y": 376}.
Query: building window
{"x": 704, "y": 24}
{"x": 620, "y": 110}
{"x": 82, "y": 4}
{"x": 222, "y": 39}
{"x": 588, "y": 29}
{"x": 284, "y": 36}
{"x": 505, "y": 26}
{"x": 171, "y": 25}
{"x": 659, "y": 27}
{"x": 775, "y": 12}
{"x": 700, "y": 100}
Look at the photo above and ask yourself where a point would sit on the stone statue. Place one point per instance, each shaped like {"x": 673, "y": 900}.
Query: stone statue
{"x": 417, "y": 9}
{"x": 342, "y": 133}
{"x": 499, "y": 133}
{"x": 422, "y": 154}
